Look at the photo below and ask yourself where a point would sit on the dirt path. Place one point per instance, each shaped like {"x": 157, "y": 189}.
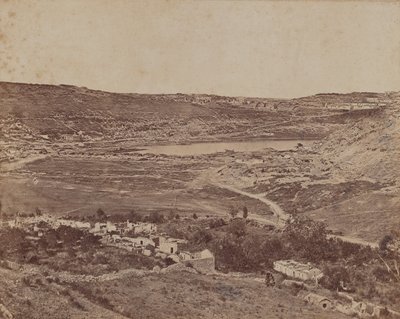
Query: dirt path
{"x": 283, "y": 216}
{"x": 275, "y": 208}
{"x": 355, "y": 240}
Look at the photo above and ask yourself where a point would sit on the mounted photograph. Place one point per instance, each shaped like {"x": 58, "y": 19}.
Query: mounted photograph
{"x": 199, "y": 159}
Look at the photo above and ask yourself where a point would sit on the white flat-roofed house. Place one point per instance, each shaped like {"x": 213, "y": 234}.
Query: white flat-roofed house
{"x": 298, "y": 270}
{"x": 168, "y": 246}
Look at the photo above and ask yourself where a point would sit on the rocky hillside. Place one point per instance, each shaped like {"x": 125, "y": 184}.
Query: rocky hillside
{"x": 366, "y": 148}
{"x": 67, "y": 113}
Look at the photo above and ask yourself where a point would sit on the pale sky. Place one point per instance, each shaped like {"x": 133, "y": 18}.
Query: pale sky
{"x": 237, "y": 48}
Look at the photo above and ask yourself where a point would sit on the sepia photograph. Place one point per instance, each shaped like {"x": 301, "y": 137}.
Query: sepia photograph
{"x": 199, "y": 159}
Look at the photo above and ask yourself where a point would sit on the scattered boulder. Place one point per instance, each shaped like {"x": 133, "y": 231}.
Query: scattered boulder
{"x": 157, "y": 269}
{"x": 146, "y": 252}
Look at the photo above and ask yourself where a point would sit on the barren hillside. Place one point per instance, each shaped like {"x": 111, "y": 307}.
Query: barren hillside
{"x": 367, "y": 148}
{"x": 68, "y": 113}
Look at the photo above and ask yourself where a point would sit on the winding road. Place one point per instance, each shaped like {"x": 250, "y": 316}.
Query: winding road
{"x": 282, "y": 215}
{"x": 275, "y": 208}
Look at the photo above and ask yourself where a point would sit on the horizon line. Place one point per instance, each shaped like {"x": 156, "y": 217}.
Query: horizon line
{"x": 191, "y": 94}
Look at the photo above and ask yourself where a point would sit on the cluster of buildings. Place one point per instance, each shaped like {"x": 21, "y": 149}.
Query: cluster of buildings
{"x": 138, "y": 237}
{"x": 348, "y": 306}
{"x": 33, "y": 223}
{"x": 144, "y": 238}
{"x": 123, "y": 228}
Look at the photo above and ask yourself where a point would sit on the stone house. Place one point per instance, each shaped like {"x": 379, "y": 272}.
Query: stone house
{"x": 318, "y": 300}
{"x": 298, "y": 270}
{"x": 168, "y": 246}
{"x": 142, "y": 241}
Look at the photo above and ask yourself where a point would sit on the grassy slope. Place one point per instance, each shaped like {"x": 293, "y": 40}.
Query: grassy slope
{"x": 172, "y": 295}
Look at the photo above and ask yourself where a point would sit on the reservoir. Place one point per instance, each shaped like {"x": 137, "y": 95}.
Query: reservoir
{"x": 216, "y": 147}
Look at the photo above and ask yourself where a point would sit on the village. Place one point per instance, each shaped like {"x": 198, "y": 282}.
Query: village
{"x": 137, "y": 237}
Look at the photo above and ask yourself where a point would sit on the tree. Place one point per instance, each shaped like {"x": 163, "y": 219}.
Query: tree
{"x": 308, "y": 239}
{"x": 171, "y": 215}
{"x": 155, "y": 217}
{"x": 251, "y": 248}
{"x": 118, "y": 218}
{"x": 237, "y": 228}
{"x": 201, "y": 236}
{"x": 272, "y": 249}
{"x": 49, "y": 239}
{"x": 384, "y": 242}
{"x": 101, "y": 214}
{"x": 13, "y": 239}
{"x": 245, "y": 212}
{"x": 335, "y": 277}
{"x": 134, "y": 217}
{"x": 233, "y": 211}
{"x": 229, "y": 254}
{"x": 269, "y": 279}
{"x": 89, "y": 241}
{"x": 38, "y": 212}
{"x": 69, "y": 235}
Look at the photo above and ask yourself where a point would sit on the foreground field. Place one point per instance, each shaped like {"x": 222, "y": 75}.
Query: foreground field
{"x": 175, "y": 295}
{"x": 79, "y": 186}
